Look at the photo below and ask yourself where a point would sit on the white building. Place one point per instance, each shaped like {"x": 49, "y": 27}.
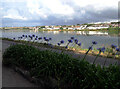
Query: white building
{"x": 96, "y": 27}
{"x": 70, "y": 28}
{"x": 78, "y": 27}
{"x": 46, "y": 26}
{"x": 84, "y": 27}
{"x": 49, "y": 28}
{"x": 56, "y": 27}
{"x": 64, "y": 27}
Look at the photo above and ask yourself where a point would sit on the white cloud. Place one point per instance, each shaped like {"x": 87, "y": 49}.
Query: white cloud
{"x": 13, "y": 14}
{"x": 34, "y": 8}
{"x": 15, "y": 17}
{"x": 97, "y": 7}
{"x": 83, "y": 12}
{"x": 57, "y": 7}
{"x": 14, "y": 0}
{"x": 69, "y": 11}
{"x": 49, "y": 7}
{"x": 1, "y": 8}
{"x": 99, "y": 3}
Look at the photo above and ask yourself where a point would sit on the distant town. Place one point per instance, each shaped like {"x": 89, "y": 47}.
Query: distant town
{"x": 91, "y": 26}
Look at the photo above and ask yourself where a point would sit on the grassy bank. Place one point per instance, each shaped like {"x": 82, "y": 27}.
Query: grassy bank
{"x": 109, "y": 52}
{"x": 61, "y": 71}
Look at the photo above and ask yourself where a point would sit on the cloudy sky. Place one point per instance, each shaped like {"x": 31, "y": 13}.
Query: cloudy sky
{"x": 56, "y": 12}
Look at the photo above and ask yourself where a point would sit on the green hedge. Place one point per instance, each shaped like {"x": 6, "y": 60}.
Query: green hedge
{"x": 69, "y": 73}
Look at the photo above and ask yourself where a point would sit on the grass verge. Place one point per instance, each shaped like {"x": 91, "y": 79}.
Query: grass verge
{"x": 74, "y": 49}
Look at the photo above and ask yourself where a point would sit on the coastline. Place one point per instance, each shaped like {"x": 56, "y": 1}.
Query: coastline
{"x": 59, "y": 29}
{"x": 70, "y": 51}
{"x": 82, "y": 51}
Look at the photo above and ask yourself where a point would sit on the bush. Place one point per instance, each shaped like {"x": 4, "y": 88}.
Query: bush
{"x": 68, "y": 72}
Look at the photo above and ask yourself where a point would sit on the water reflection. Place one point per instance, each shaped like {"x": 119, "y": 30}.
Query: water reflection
{"x": 97, "y": 33}
{"x": 53, "y": 32}
{"x": 34, "y": 31}
{"x": 92, "y": 33}
{"x": 103, "y": 38}
{"x": 81, "y": 32}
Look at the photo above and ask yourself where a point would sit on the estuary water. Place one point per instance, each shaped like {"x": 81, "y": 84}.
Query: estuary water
{"x": 85, "y": 37}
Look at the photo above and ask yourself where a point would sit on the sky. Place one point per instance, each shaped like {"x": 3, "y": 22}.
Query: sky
{"x": 56, "y": 12}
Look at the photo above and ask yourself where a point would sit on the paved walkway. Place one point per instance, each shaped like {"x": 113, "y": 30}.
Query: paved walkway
{"x": 0, "y": 72}
{"x": 10, "y": 78}
{"x": 13, "y": 79}
{"x": 89, "y": 58}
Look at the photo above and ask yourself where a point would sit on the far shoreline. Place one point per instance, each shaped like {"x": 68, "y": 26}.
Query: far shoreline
{"x": 59, "y": 29}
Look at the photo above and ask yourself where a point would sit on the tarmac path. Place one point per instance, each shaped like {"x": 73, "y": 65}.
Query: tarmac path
{"x": 10, "y": 78}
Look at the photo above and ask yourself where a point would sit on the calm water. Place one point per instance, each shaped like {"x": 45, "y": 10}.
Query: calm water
{"x": 103, "y": 38}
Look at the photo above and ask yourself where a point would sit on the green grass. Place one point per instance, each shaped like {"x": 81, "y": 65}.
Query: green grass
{"x": 73, "y": 49}
{"x": 67, "y": 72}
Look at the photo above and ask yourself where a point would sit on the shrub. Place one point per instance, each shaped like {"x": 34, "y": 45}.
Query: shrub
{"x": 20, "y": 55}
{"x": 68, "y": 72}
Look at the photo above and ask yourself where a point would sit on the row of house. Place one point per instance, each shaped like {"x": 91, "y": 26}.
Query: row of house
{"x": 78, "y": 27}
{"x": 74, "y": 27}
{"x": 102, "y": 26}
{"x": 98, "y": 26}
{"x": 93, "y": 26}
{"x": 65, "y": 27}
